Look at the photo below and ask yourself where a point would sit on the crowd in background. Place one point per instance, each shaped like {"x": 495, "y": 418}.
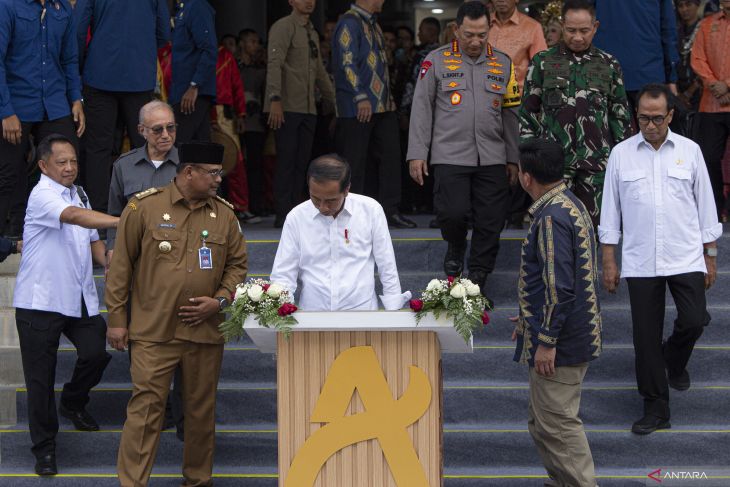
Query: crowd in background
{"x": 231, "y": 102}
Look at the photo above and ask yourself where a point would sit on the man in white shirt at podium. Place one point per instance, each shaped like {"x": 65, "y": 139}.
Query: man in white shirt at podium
{"x": 332, "y": 243}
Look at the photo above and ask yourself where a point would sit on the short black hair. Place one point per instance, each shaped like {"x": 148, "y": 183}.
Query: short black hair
{"x": 434, "y": 22}
{"x": 330, "y": 167}
{"x": 45, "y": 147}
{"x": 589, "y": 5}
{"x": 226, "y": 36}
{"x": 542, "y": 159}
{"x": 389, "y": 30}
{"x": 656, "y": 90}
{"x": 407, "y": 29}
{"x": 474, "y": 9}
{"x": 246, "y": 32}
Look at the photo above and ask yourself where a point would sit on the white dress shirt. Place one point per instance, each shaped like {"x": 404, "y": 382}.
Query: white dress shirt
{"x": 664, "y": 202}
{"x": 337, "y": 271}
{"x": 55, "y": 265}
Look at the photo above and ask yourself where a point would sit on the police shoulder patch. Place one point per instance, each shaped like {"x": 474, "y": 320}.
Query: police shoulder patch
{"x": 147, "y": 192}
{"x": 229, "y": 205}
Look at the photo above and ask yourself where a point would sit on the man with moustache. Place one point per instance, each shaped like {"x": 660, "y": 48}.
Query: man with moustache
{"x": 294, "y": 70}
{"x": 178, "y": 257}
{"x": 574, "y": 94}
{"x": 659, "y": 201}
{"x": 464, "y": 118}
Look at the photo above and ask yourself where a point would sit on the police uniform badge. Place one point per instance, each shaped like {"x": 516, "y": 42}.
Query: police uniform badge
{"x": 425, "y": 66}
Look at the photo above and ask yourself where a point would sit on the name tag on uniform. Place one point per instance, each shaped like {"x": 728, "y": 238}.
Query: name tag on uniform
{"x": 205, "y": 258}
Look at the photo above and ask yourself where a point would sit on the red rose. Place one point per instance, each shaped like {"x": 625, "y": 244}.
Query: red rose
{"x": 286, "y": 309}
{"x": 485, "y": 317}
{"x": 450, "y": 279}
{"x": 416, "y": 305}
{"x": 265, "y": 287}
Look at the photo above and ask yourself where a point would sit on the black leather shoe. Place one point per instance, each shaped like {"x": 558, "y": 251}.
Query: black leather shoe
{"x": 399, "y": 221}
{"x": 80, "y": 418}
{"x": 454, "y": 260}
{"x": 46, "y": 465}
{"x": 679, "y": 382}
{"x": 180, "y": 433}
{"x": 649, "y": 424}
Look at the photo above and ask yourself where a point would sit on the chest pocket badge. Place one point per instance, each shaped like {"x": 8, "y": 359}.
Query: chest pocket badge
{"x": 455, "y": 98}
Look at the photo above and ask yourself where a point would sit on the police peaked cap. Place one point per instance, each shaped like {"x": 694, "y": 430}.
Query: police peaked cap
{"x": 201, "y": 153}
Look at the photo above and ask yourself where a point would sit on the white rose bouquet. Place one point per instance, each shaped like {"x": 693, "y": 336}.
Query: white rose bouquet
{"x": 460, "y": 299}
{"x": 269, "y": 302}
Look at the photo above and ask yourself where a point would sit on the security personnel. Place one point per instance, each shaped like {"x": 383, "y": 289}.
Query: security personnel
{"x": 180, "y": 250}
{"x": 464, "y": 116}
{"x": 575, "y": 95}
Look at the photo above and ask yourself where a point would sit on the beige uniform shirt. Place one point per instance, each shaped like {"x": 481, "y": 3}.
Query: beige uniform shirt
{"x": 156, "y": 256}
{"x": 295, "y": 66}
{"x": 464, "y": 111}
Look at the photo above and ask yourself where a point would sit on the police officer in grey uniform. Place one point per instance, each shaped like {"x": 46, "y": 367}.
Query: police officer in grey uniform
{"x": 464, "y": 117}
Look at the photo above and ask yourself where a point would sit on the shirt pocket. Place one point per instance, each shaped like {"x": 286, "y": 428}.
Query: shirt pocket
{"x": 495, "y": 92}
{"x": 452, "y": 90}
{"x": 57, "y": 23}
{"x": 217, "y": 243}
{"x": 167, "y": 246}
{"x": 680, "y": 182}
{"x": 27, "y": 25}
{"x": 636, "y": 183}
{"x": 555, "y": 93}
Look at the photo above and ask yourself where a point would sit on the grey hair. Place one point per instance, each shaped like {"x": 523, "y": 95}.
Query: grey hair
{"x": 151, "y": 107}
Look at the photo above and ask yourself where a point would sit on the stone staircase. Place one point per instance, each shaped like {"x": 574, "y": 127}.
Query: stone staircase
{"x": 486, "y": 442}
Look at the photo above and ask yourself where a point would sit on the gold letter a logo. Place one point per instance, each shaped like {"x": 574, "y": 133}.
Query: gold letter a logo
{"x": 386, "y": 419}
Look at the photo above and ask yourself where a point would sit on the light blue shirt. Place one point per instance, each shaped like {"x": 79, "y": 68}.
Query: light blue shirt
{"x": 55, "y": 266}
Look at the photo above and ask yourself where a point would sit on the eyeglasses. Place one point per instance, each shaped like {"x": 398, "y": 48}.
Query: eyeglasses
{"x": 656, "y": 120}
{"x": 158, "y": 129}
{"x": 211, "y": 172}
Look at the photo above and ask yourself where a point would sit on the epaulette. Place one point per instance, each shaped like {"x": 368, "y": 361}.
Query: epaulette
{"x": 147, "y": 193}
{"x": 229, "y": 205}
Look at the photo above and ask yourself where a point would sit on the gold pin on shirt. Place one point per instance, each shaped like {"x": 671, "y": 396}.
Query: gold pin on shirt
{"x": 212, "y": 214}
{"x": 166, "y": 217}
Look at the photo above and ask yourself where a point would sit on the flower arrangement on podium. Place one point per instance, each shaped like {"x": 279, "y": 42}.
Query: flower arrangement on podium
{"x": 460, "y": 299}
{"x": 269, "y": 302}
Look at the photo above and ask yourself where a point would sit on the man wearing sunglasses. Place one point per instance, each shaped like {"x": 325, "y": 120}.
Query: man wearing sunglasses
{"x": 152, "y": 165}
{"x": 178, "y": 257}
{"x": 658, "y": 199}
{"x": 294, "y": 69}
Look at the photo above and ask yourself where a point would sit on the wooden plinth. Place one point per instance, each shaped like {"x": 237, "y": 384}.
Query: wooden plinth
{"x": 304, "y": 361}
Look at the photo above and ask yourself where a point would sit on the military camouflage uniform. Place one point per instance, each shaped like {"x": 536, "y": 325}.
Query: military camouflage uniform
{"x": 579, "y": 100}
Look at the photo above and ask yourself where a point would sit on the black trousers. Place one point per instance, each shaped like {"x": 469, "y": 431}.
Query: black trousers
{"x": 253, "y": 143}
{"x": 374, "y": 148}
{"x": 483, "y": 192}
{"x": 194, "y": 126}
{"x": 712, "y": 131}
{"x": 293, "y": 149}
{"x": 103, "y": 109}
{"x": 39, "y": 333}
{"x": 13, "y": 165}
{"x": 647, "y": 296}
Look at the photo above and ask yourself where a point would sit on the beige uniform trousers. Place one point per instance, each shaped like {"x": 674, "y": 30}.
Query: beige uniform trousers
{"x": 556, "y": 428}
{"x": 152, "y": 368}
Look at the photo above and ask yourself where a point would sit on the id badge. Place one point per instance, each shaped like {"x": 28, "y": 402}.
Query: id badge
{"x": 205, "y": 258}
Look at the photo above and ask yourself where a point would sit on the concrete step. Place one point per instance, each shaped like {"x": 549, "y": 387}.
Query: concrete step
{"x": 503, "y": 449}
{"x": 490, "y": 402}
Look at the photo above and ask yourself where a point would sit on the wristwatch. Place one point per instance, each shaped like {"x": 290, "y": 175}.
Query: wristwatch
{"x": 710, "y": 251}
{"x": 222, "y": 303}
{"x": 193, "y": 84}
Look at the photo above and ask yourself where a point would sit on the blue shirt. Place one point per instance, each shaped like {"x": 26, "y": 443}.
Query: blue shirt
{"x": 360, "y": 63}
{"x": 558, "y": 284}
{"x": 194, "y": 49}
{"x": 39, "y": 69}
{"x": 125, "y": 35}
{"x": 55, "y": 266}
{"x": 642, "y": 35}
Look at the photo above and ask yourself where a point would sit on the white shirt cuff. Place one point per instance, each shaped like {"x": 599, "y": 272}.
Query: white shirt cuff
{"x": 393, "y": 302}
{"x": 608, "y": 237}
{"x": 711, "y": 234}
